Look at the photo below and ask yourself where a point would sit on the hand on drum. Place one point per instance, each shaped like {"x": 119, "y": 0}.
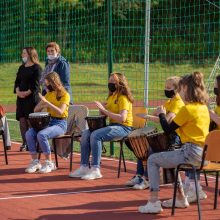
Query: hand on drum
{"x": 161, "y": 109}
{"x": 100, "y": 107}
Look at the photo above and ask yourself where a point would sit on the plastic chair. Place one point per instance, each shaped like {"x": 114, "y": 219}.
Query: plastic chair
{"x": 80, "y": 112}
{"x": 137, "y": 123}
{"x": 4, "y": 145}
{"x": 210, "y": 153}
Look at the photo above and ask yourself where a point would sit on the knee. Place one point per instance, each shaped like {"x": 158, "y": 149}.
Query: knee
{"x": 41, "y": 136}
{"x": 95, "y": 136}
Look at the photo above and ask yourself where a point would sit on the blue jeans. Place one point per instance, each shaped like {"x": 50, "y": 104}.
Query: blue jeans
{"x": 92, "y": 142}
{"x": 55, "y": 128}
{"x": 141, "y": 170}
{"x": 189, "y": 153}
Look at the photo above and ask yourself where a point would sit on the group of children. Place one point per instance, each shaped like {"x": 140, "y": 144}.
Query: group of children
{"x": 186, "y": 116}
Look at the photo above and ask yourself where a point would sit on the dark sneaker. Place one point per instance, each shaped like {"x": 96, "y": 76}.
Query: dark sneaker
{"x": 23, "y": 147}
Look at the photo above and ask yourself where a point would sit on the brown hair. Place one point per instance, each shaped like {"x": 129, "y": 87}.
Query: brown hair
{"x": 218, "y": 86}
{"x": 122, "y": 86}
{"x": 196, "y": 91}
{"x": 54, "y": 45}
{"x": 32, "y": 53}
{"x": 174, "y": 80}
{"x": 54, "y": 80}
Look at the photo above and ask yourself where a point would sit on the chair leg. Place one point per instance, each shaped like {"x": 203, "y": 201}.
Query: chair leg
{"x": 197, "y": 193}
{"x": 206, "y": 180}
{"x": 175, "y": 190}
{"x": 123, "y": 157}
{"x": 119, "y": 164}
{"x": 5, "y": 150}
{"x": 216, "y": 191}
{"x": 71, "y": 156}
{"x": 55, "y": 152}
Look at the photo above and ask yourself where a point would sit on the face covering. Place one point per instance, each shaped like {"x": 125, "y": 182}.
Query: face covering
{"x": 24, "y": 59}
{"x": 169, "y": 93}
{"x": 111, "y": 87}
{"x": 51, "y": 57}
{"x": 216, "y": 91}
{"x": 50, "y": 88}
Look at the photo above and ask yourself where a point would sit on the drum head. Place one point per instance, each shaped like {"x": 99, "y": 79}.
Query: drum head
{"x": 38, "y": 114}
{"x": 142, "y": 131}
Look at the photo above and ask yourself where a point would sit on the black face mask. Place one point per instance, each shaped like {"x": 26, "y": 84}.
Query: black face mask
{"x": 111, "y": 87}
{"x": 216, "y": 91}
{"x": 50, "y": 88}
{"x": 169, "y": 93}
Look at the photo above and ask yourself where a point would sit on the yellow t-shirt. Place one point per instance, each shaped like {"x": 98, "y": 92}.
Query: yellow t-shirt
{"x": 217, "y": 111}
{"x": 51, "y": 97}
{"x": 174, "y": 104}
{"x": 116, "y": 104}
{"x": 194, "y": 120}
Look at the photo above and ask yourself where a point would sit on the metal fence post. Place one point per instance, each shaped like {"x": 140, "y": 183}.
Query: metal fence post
{"x": 110, "y": 57}
{"x": 146, "y": 52}
{"x": 23, "y": 40}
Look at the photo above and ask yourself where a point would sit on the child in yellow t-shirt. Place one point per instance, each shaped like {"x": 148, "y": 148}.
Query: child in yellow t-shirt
{"x": 193, "y": 123}
{"x": 56, "y": 101}
{"x": 172, "y": 106}
{"x": 215, "y": 115}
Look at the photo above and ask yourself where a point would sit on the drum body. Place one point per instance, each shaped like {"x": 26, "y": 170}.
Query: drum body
{"x": 138, "y": 142}
{"x": 39, "y": 120}
{"x": 159, "y": 142}
{"x": 96, "y": 122}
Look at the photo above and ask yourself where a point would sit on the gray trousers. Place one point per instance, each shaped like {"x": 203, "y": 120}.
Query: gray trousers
{"x": 189, "y": 153}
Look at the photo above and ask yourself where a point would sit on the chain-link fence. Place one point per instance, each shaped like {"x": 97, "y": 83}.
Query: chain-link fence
{"x": 148, "y": 40}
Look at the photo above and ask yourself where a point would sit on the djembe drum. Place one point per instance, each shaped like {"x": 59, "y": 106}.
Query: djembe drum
{"x": 96, "y": 122}
{"x": 138, "y": 143}
{"x": 39, "y": 120}
{"x": 141, "y": 140}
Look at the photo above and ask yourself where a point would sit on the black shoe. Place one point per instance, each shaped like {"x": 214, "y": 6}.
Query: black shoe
{"x": 8, "y": 147}
{"x": 23, "y": 147}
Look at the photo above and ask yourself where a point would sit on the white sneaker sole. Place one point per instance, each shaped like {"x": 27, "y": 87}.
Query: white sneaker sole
{"x": 140, "y": 209}
{"x": 91, "y": 178}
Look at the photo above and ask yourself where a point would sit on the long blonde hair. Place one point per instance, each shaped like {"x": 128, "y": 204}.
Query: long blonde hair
{"x": 196, "y": 91}
{"x": 54, "y": 80}
{"x": 122, "y": 86}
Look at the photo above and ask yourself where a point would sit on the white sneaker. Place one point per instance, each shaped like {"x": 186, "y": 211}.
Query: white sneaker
{"x": 94, "y": 173}
{"x": 151, "y": 207}
{"x": 134, "y": 180}
{"x": 191, "y": 195}
{"x": 183, "y": 203}
{"x": 82, "y": 171}
{"x": 33, "y": 166}
{"x": 144, "y": 184}
{"x": 48, "y": 167}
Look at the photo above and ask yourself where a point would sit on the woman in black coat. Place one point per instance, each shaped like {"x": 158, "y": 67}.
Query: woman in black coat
{"x": 27, "y": 88}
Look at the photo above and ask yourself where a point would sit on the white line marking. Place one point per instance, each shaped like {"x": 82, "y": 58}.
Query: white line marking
{"x": 66, "y": 193}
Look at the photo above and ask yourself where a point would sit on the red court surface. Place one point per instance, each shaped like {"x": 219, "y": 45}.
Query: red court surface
{"x": 55, "y": 196}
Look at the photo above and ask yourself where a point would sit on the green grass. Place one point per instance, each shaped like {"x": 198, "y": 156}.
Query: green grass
{"x": 89, "y": 81}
